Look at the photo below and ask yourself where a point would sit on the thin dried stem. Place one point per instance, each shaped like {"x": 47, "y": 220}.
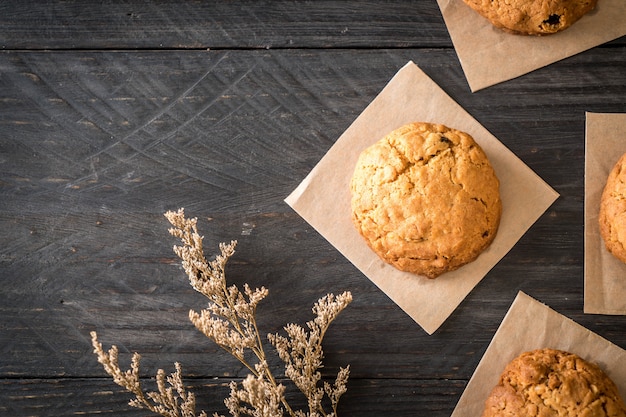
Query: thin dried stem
{"x": 172, "y": 398}
{"x": 302, "y": 354}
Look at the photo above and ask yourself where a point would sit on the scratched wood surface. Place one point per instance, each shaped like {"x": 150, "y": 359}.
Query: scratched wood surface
{"x": 112, "y": 114}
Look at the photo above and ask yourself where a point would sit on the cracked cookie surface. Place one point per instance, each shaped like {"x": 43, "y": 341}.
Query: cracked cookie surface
{"x": 612, "y": 215}
{"x": 426, "y": 199}
{"x": 550, "y": 382}
{"x": 532, "y": 17}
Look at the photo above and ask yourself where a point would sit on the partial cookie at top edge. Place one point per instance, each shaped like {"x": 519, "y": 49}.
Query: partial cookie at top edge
{"x": 532, "y": 17}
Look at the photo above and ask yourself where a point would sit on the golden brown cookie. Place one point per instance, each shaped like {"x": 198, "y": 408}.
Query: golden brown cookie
{"x": 426, "y": 199}
{"x": 549, "y": 382}
{"x": 612, "y": 216}
{"x": 532, "y": 17}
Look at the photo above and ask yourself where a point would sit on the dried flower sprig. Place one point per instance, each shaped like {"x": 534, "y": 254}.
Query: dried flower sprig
{"x": 230, "y": 321}
{"x": 172, "y": 398}
{"x": 302, "y": 353}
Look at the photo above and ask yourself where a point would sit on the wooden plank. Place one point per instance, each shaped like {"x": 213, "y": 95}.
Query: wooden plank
{"x": 91, "y": 396}
{"x": 225, "y": 121}
{"x": 241, "y": 24}
{"x": 63, "y": 397}
{"x": 225, "y": 24}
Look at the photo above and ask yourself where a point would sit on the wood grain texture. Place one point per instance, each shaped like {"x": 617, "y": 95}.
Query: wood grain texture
{"x": 221, "y": 24}
{"x": 95, "y": 144}
{"x": 56, "y": 397}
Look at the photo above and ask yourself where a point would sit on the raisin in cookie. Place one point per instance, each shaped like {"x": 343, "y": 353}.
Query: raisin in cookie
{"x": 549, "y": 382}
{"x": 612, "y": 216}
{"x": 426, "y": 199}
{"x": 532, "y": 17}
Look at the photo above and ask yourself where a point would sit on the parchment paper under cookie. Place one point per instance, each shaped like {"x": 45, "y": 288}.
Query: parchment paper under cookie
{"x": 323, "y": 197}
{"x": 489, "y": 55}
{"x": 605, "y": 275}
{"x": 530, "y": 325}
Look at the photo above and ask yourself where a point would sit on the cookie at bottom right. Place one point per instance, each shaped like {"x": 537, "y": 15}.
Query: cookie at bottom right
{"x": 552, "y": 382}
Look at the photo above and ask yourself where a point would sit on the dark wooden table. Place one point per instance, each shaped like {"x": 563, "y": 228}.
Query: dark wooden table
{"x": 112, "y": 113}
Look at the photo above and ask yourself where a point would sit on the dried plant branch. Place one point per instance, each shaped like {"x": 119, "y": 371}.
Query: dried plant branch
{"x": 302, "y": 353}
{"x": 172, "y": 398}
{"x": 230, "y": 321}
{"x": 258, "y": 398}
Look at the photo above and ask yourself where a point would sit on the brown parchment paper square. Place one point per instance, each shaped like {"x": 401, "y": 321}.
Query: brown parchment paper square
{"x": 530, "y": 325}
{"x": 489, "y": 55}
{"x": 605, "y": 275}
{"x": 323, "y": 197}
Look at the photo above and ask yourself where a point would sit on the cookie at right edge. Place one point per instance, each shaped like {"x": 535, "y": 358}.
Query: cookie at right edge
{"x": 551, "y": 382}
{"x": 612, "y": 216}
{"x": 532, "y": 17}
